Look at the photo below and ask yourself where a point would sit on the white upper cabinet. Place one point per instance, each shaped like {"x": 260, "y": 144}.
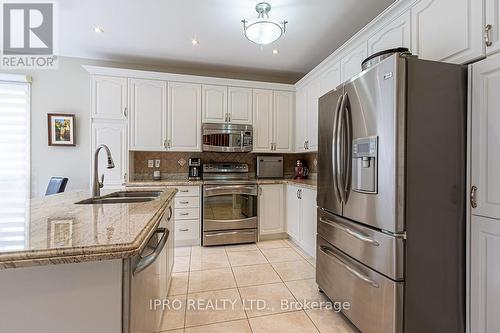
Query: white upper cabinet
{"x": 300, "y": 119}
{"x": 114, "y": 135}
{"x": 330, "y": 79}
{"x": 485, "y": 136}
{"x": 214, "y": 103}
{"x": 448, "y": 30}
{"x": 240, "y": 105}
{"x": 184, "y": 117}
{"x": 283, "y": 121}
{"x": 109, "y": 97}
{"x": 350, "y": 64}
{"x": 271, "y": 209}
{"x": 148, "y": 114}
{"x": 313, "y": 94}
{"x": 392, "y": 35}
{"x": 493, "y": 31}
{"x": 262, "y": 120}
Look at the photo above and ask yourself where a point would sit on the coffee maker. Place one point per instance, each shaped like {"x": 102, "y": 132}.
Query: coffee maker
{"x": 194, "y": 168}
{"x": 301, "y": 171}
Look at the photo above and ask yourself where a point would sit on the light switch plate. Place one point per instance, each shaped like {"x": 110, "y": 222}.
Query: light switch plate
{"x": 157, "y": 163}
{"x": 150, "y": 163}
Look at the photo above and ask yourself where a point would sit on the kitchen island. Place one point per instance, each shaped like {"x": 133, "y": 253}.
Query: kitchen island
{"x": 71, "y": 275}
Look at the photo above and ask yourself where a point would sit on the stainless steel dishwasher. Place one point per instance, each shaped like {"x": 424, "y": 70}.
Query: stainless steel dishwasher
{"x": 144, "y": 280}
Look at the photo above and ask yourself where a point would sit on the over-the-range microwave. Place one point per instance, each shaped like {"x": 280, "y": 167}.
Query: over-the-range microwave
{"x": 230, "y": 138}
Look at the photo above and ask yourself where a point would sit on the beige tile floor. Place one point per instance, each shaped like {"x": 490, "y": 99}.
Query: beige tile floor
{"x": 239, "y": 275}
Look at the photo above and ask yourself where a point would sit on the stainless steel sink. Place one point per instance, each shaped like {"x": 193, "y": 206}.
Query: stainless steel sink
{"x": 122, "y": 197}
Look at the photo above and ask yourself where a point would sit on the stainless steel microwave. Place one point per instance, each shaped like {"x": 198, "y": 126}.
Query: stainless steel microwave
{"x": 227, "y": 138}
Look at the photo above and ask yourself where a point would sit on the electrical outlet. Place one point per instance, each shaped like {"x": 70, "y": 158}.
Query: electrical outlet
{"x": 157, "y": 163}
{"x": 150, "y": 163}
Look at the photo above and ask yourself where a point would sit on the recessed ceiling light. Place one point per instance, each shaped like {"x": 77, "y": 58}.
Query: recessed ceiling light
{"x": 276, "y": 51}
{"x": 98, "y": 30}
{"x": 194, "y": 41}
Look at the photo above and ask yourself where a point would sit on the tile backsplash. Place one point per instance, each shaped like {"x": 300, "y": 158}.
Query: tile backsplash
{"x": 174, "y": 163}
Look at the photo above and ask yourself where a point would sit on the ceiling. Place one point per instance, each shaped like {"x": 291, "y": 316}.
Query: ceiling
{"x": 161, "y": 30}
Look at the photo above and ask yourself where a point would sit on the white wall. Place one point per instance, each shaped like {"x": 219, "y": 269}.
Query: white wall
{"x": 67, "y": 90}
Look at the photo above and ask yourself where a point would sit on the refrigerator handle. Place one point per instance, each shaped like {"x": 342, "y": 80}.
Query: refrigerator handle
{"x": 341, "y": 164}
{"x": 347, "y": 149}
{"x": 335, "y": 144}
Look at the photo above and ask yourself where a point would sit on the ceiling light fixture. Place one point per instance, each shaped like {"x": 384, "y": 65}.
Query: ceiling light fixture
{"x": 98, "y": 30}
{"x": 194, "y": 41}
{"x": 276, "y": 51}
{"x": 263, "y": 30}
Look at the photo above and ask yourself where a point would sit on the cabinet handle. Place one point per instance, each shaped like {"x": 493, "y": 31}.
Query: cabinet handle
{"x": 125, "y": 178}
{"x": 260, "y": 190}
{"x": 183, "y": 229}
{"x": 487, "y": 31}
{"x": 229, "y": 116}
{"x": 184, "y": 214}
{"x": 305, "y": 144}
{"x": 125, "y": 112}
{"x": 183, "y": 202}
{"x": 225, "y": 117}
{"x": 170, "y": 213}
{"x": 184, "y": 191}
{"x": 473, "y": 196}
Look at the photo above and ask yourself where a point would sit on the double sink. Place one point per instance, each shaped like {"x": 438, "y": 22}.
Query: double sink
{"x": 122, "y": 197}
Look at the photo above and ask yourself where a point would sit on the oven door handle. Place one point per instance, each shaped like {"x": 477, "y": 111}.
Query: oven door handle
{"x": 229, "y": 233}
{"x": 248, "y": 219}
{"x": 230, "y": 189}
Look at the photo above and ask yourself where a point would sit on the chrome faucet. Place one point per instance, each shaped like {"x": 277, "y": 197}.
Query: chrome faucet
{"x": 97, "y": 185}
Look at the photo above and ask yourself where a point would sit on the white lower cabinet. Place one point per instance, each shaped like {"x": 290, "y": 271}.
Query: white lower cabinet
{"x": 271, "y": 209}
{"x": 485, "y": 275}
{"x": 114, "y": 135}
{"x": 187, "y": 214}
{"x": 301, "y": 217}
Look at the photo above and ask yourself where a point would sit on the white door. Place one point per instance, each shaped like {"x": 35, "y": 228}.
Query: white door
{"x": 486, "y": 136}
{"x": 240, "y": 105}
{"x": 271, "y": 209}
{"x": 283, "y": 121}
{"x": 313, "y": 94}
{"x": 300, "y": 119}
{"x": 293, "y": 212}
{"x": 392, "y": 35}
{"x": 330, "y": 79}
{"x": 262, "y": 120}
{"x": 493, "y": 19}
{"x": 214, "y": 104}
{"x": 184, "y": 117}
{"x": 148, "y": 114}
{"x": 109, "y": 97}
{"x": 114, "y": 135}
{"x": 485, "y": 275}
{"x": 350, "y": 64}
{"x": 448, "y": 30}
{"x": 308, "y": 221}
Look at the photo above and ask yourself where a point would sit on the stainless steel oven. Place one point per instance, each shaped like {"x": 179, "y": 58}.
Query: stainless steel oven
{"x": 230, "y": 138}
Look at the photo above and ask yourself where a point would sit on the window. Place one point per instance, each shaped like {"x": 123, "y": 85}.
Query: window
{"x": 14, "y": 164}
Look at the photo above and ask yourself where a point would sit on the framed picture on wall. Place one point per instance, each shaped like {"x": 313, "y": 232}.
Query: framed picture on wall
{"x": 61, "y": 129}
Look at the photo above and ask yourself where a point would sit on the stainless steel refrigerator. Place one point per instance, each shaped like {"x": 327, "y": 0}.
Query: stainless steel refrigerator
{"x": 391, "y": 196}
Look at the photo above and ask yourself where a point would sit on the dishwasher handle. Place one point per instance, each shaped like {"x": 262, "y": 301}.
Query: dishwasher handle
{"x": 146, "y": 261}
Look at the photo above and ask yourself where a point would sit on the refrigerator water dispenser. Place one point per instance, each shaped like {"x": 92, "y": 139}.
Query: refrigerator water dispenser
{"x": 364, "y": 164}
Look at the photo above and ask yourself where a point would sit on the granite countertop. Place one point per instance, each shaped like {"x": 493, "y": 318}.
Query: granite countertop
{"x": 305, "y": 183}
{"x": 60, "y": 231}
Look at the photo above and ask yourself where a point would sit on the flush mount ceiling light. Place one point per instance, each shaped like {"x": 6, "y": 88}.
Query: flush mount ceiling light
{"x": 263, "y": 30}
{"x": 98, "y": 30}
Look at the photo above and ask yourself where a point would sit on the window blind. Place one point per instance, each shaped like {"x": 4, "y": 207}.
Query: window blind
{"x": 14, "y": 164}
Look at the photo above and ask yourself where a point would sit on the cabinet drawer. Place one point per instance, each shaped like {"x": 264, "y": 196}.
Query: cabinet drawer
{"x": 188, "y": 191}
{"x": 187, "y": 230}
{"x": 376, "y": 302}
{"x": 187, "y": 202}
{"x": 187, "y": 213}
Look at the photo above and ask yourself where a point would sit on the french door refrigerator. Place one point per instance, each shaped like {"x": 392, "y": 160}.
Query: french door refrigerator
{"x": 391, "y": 196}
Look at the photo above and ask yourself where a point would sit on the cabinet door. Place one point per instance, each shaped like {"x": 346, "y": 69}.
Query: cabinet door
{"x": 240, "y": 105}
{"x": 350, "y": 64}
{"x": 148, "y": 114}
{"x": 485, "y": 136}
{"x": 493, "y": 19}
{"x": 109, "y": 97}
{"x": 114, "y": 135}
{"x": 300, "y": 119}
{"x": 394, "y": 34}
{"x": 271, "y": 209}
{"x": 293, "y": 212}
{"x": 262, "y": 120}
{"x": 313, "y": 94}
{"x": 184, "y": 117}
{"x": 485, "y": 275}
{"x": 214, "y": 104}
{"x": 283, "y": 121}
{"x": 308, "y": 221}
{"x": 448, "y": 30}
{"x": 330, "y": 79}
